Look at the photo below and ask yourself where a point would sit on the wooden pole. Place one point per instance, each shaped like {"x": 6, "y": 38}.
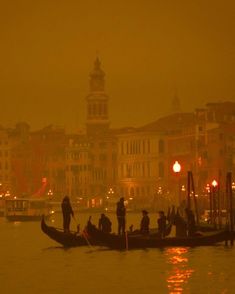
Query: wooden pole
{"x": 194, "y": 198}
{"x": 211, "y": 205}
{"x": 214, "y": 205}
{"x": 219, "y": 201}
{"x": 188, "y": 191}
{"x": 230, "y": 194}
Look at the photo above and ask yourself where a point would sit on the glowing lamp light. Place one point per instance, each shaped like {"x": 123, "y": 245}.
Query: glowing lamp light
{"x": 233, "y": 186}
{"x": 208, "y": 189}
{"x": 176, "y": 167}
{"x": 44, "y": 180}
{"x": 214, "y": 183}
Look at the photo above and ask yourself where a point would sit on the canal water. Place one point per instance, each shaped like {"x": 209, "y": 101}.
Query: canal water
{"x": 30, "y": 262}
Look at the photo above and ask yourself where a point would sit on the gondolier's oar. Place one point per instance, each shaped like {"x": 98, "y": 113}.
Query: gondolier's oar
{"x": 78, "y": 226}
{"x": 85, "y": 237}
{"x": 83, "y": 234}
{"x": 126, "y": 240}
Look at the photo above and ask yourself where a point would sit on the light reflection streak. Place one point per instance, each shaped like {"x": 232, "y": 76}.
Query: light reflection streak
{"x": 180, "y": 273}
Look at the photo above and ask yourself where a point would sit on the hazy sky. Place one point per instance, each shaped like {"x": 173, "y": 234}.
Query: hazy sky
{"x": 148, "y": 49}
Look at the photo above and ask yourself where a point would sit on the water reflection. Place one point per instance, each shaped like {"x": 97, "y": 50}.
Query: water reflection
{"x": 180, "y": 272}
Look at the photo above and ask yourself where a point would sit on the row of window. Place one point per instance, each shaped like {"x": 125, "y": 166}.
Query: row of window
{"x": 3, "y": 142}
{"x": 97, "y": 109}
{"x": 140, "y": 147}
{"x": 138, "y": 169}
{"x": 135, "y": 191}
{"x": 102, "y": 157}
{"x": 4, "y": 166}
{"x": 135, "y": 169}
{"x": 4, "y": 153}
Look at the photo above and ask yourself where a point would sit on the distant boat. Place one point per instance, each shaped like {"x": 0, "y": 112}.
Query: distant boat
{"x": 129, "y": 241}
{"x": 27, "y": 209}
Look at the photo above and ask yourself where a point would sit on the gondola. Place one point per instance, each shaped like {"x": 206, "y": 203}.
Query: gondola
{"x": 71, "y": 239}
{"x": 127, "y": 241}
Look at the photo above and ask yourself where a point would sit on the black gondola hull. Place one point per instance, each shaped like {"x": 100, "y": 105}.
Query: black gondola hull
{"x": 140, "y": 242}
{"x": 65, "y": 239}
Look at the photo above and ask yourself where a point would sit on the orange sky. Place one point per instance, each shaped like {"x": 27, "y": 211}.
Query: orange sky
{"x": 148, "y": 49}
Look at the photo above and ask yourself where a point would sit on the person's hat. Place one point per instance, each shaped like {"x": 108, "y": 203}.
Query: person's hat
{"x": 145, "y": 211}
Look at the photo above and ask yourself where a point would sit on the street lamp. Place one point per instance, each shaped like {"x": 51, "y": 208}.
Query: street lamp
{"x": 233, "y": 186}
{"x": 50, "y": 194}
{"x": 214, "y": 184}
{"x": 176, "y": 169}
{"x": 109, "y": 196}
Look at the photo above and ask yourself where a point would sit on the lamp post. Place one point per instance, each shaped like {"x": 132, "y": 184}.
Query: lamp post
{"x": 176, "y": 169}
{"x": 110, "y": 193}
{"x": 214, "y": 185}
{"x": 50, "y": 194}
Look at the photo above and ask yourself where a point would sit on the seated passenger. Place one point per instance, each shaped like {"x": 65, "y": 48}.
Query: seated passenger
{"x": 144, "y": 225}
{"x": 181, "y": 226}
{"x": 105, "y": 224}
{"x": 162, "y": 224}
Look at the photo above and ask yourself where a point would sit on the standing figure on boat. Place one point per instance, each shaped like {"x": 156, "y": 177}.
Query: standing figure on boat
{"x": 144, "y": 225}
{"x": 180, "y": 225}
{"x": 67, "y": 212}
{"x": 190, "y": 222}
{"x": 121, "y": 216}
{"x": 162, "y": 224}
{"x": 105, "y": 224}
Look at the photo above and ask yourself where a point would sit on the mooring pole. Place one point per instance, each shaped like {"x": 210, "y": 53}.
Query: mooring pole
{"x": 188, "y": 191}
{"x": 211, "y": 205}
{"x": 214, "y": 206}
{"x": 230, "y": 194}
{"x": 219, "y": 202}
{"x": 194, "y": 198}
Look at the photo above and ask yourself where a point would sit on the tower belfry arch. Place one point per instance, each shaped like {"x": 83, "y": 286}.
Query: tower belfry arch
{"x": 97, "y": 102}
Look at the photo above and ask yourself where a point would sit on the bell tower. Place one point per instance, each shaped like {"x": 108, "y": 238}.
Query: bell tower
{"x": 97, "y": 102}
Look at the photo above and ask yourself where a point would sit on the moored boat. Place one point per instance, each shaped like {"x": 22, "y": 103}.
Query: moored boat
{"x": 27, "y": 209}
{"x": 130, "y": 241}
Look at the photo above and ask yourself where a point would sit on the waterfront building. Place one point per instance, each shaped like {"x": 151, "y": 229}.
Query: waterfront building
{"x": 136, "y": 163}
{"x": 5, "y": 162}
{"x": 91, "y": 158}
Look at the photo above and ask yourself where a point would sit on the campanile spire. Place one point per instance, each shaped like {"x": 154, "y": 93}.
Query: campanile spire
{"x": 97, "y": 77}
{"x": 97, "y": 102}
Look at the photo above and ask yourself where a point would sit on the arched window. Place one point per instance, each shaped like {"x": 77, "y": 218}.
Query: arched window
{"x": 161, "y": 170}
{"x": 132, "y": 192}
{"x": 161, "y": 146}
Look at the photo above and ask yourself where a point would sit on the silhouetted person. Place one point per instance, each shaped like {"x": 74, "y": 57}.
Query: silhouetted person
{"x": 67, "y": 212}
{"x": 162, "y": 224}
{"x": 131, "y": 228}
{"x": 121, "y": 216}
{"x": 190, "y": 222}
{"x": 105, "y": 224}
{"x": 181, "y": 226}
{"x": 144, "y": 225}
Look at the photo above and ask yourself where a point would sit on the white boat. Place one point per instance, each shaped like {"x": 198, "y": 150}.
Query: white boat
{"x": 27, "y": 209}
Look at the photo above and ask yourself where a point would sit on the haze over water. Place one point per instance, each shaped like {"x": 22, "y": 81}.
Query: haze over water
{"x": 33, "y": 263}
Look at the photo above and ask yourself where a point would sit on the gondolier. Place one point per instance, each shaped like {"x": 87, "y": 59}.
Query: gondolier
{"x": 67, "y": 212}
{"x": 121, "y": 216}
